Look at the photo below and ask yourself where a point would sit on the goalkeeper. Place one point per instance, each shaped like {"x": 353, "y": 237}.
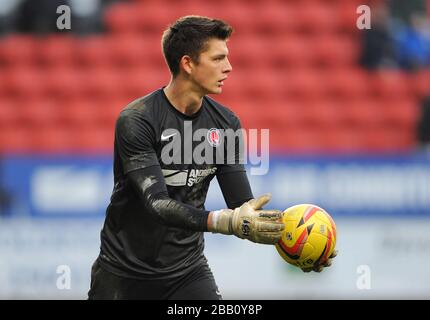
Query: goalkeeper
{"x": 152, "y": 239}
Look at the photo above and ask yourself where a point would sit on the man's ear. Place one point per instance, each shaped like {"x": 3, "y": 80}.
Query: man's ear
{"x": 186, "y": 64}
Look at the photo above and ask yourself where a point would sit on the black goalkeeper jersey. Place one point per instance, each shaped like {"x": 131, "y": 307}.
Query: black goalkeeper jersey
{"x": 151, "y": 134}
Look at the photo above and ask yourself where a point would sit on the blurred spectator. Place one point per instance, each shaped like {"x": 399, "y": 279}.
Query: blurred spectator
{"x": 8, "y": 15}
{"x": 5, "y": 199}
{"x": 424, "y": 124}
{"x": 41, "y": 16}
{"x": 86, "y": 16}
{"x": 377, "y": 43}
{"x": 413, "y": 43}
{"x": 404, "y": 10}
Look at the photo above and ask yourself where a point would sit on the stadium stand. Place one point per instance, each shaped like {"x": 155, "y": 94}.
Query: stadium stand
{"x": 295, "y": 70}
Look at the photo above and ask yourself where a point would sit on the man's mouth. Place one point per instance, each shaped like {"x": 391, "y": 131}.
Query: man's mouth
{"x": 221, "y": 82}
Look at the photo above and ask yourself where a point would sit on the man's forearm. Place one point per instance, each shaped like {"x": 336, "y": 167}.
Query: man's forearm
{"x": 151, "y": 190}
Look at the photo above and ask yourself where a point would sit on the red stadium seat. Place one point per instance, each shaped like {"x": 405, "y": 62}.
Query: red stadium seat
{"x": 317, "y": 18}
{"x": 300, "y": 139}
{"x": 270, "y": 114}
{"x": 56, "y": 50}
{"x": 18, "y": 50}
{"x": 247, "y": 52}
{"x": 24, "y": 82}
{"x": 258, "y": 114}
{"x": 3, "y": 90}
{"x": 82, "y": 113}
{"x": 254, "y": 118}
{"x": 389, "y": 84}
{"x": 63, "y": 83}
{"x": 361, "y": 114}
{"x": 9, "y": 112}
{"x": 241, "y": 17}
{"x": 100, "y": 83}
{"x": 344, "y": 139}
{"x": 274, "y": 20}
{"x": 277, "y": 116}
{"x": 302, "y": 83}
{"x": 38, "y": 113}
{"x": 230, "y": 95}
{"x": 346, "y": 83}
{"x": 127, "y": 50}
{"x": 402, "y": 113}
{"x": 278, "y": 140}
{"x": 53, "y": 139}
{"x": 108, "y": 111}
{"x": 78, "y": 114}
{"x": 320, "y": 114}
{"x": 286, "y": 113}
{"x": 93, "y": 51}
{"x": 153, "y": 52}
{"x": 132, "y": 50}
{"x": 94, "y": 140}
{"x": 16, "y": 139}
{"x": 347, "y": 13}
{"x": 154, "y": 18}
{"x": 122, "y": 18}
{"x": 333, "y": 50}
{"x": 141, "y": 81}
{"x": 387, "y": 139}
{"x": 421, "y": 83}
{"x": 255, "y": 84}
{"x": 290, "y": 50}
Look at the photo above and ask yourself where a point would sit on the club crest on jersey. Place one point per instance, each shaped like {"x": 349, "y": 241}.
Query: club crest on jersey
{"x": 214, "y": 137}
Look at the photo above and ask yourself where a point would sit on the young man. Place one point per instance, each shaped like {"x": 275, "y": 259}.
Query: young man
{"x": 152, "y": 240}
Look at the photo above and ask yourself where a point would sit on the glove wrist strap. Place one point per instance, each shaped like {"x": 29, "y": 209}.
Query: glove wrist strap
{"x": 222, "y": 221}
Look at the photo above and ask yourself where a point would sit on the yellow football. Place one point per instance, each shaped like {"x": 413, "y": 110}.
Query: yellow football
{"x": 309, "y": 237}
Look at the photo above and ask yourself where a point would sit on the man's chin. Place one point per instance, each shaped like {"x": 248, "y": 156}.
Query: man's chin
{"x": 217, "y": 90}
{"x": 212, "y": 90}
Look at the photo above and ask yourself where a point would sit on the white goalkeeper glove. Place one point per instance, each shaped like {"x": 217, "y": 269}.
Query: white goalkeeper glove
{"x": 248, "y": 222}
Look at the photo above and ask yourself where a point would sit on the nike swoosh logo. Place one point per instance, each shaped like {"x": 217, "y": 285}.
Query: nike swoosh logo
{"x": 163, "y": 137}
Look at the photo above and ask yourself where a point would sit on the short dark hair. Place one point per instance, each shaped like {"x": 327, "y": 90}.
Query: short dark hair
{"x": 188, "y": 36}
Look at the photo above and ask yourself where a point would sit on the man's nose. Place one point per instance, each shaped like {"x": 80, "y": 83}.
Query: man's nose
{"x": 228, "y": 67}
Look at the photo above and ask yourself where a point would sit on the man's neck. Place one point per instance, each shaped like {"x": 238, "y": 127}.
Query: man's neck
{"x": 182, "y": 96}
